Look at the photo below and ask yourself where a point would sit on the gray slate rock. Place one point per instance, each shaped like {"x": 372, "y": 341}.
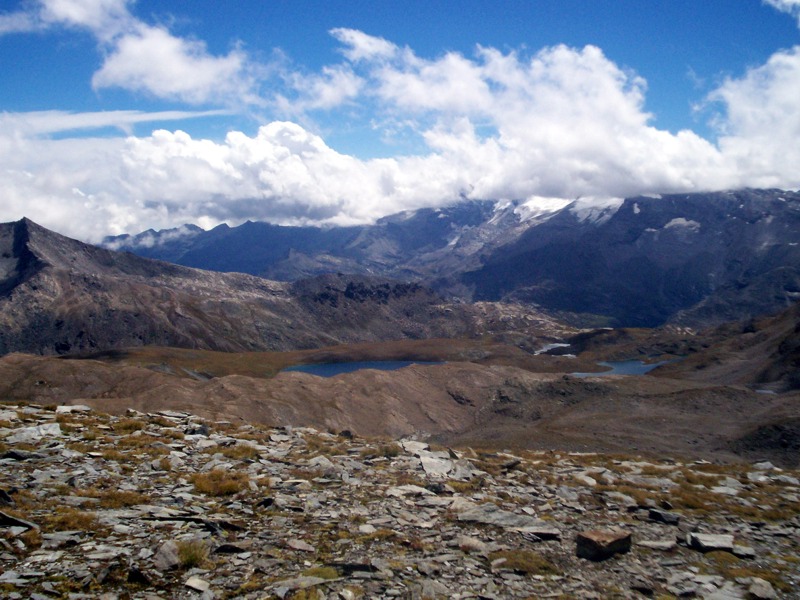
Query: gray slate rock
{"x": 491, "y": 514}
{"x": 167, "y": 556}
{"x": 707, "y": 542}
{"x": 761, "y": 589}
{"x": 29, "y": 435}
{"x": 7, "y": 520}
{"x": 602, "y": 544}
{"x": 663, "y": 516}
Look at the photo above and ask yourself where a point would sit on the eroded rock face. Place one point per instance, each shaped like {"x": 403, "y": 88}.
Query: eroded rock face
{"x": 167, "y": 504}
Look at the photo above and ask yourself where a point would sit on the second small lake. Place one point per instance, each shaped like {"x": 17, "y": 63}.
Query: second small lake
{"x": 623, "y": 367}
{"x": 331, "y": 369}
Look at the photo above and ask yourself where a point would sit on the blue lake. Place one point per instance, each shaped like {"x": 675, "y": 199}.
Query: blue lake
{"x": 623, "y": 367}
{"x": 331, "y": 369}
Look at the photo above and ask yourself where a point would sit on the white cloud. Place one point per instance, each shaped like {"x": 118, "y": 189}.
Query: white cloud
{"x": 361, "y": 46}
{"x": 145, "y": 58}
{"x": 566, "y": 122}
{"x": 58, "y": 121}
{"x": 106, "y": 18}
{"x": 19, "y": 22}
{"x": 333, "y": 87}
{"x": 791, "y": 7}
{"x": 150, "y": 59}
{"x": 760, "y": 124}
{"x": 558, "y": 124}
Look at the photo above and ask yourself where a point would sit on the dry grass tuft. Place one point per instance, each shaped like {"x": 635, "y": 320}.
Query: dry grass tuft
{"x": 129, "y": 425}
{"x": 321, "y": 572}
{"x": 220, "y": 483}
{"x": 71, "y": 519}
{"x": 525, "y": 561}
{"x": 192, "y": 553}
{"x": 236, "y": 452}
{"x": 731, "y": 567}
{"x": 383, "y": 451}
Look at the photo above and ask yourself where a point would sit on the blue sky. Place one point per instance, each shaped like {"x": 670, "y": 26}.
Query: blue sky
{"x": 117, "y": 116}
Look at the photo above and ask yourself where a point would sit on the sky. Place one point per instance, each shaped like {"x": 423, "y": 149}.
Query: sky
{"x": 118, "y": 116}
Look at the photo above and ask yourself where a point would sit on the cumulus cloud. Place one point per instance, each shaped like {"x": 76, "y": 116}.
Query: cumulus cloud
{"x": 18, "y": 22}
{"x": 760, "y": 124}
{"x": 145, "y": 58}
{"x": 150, "y": 59}
{"x": 546, "y": 127}
{"x": 105, "y": 18}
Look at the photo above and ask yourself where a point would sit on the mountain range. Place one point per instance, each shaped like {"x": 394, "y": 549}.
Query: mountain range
{"x": 59, "y": 296}
{"x": 145, "y": 333}
{"x": 685, "y": 259}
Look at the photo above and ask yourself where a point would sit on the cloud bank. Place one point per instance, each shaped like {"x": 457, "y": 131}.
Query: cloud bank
{"x": 562, "y": 122}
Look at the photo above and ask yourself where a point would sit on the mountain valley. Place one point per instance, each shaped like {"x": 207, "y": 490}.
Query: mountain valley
{"x": 141, "y": 333}
{"x": 513, "y": 415}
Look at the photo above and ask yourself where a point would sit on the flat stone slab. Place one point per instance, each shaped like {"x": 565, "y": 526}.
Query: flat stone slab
{"x": 436, "y": 467}
{"x": 491, "y": 514}
{"x": 66, "y": 409}
{"x": 663, "y": 516}
{"x": 602, "y": 544}
{"x": 414, "y": 447}
{"x": 197, "y": 584}
{"x": 663, "y": 545}
{"x": 761, "y": 589}
{"x": 708, "y": 542}
{"x": 7, "y": 520}
{"x": 27, "y": 435}
{"x": 408, "y": 490}
{"x": 8, "y": 415}
{"x": 300, "y": 545}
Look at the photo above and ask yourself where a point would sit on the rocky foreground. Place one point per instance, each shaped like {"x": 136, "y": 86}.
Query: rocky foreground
{"x": 166, "y": 505}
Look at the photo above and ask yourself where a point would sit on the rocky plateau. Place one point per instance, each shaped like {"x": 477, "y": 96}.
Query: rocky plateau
{"x": 165, "y": 504}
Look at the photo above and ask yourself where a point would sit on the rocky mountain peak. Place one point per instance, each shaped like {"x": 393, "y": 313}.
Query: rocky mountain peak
{"x": 17, "y": 261}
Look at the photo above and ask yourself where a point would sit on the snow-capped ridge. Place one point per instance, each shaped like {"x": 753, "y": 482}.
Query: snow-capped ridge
{"x": 595, "y": 209}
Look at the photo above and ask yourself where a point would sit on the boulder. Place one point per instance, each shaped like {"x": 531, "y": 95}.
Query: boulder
{"x": 602, "y": 544}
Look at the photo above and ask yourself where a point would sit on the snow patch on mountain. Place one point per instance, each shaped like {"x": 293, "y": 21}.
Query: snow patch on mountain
{"x": 683, "y": 223}
{"x": 539, "y": 208}
{"x": 595, "y": 210}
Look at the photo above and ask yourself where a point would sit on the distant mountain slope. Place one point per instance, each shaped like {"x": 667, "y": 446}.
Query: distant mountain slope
{"x": 693, "y": 259}
{"x": 419, "y": 244}
{"x": 762, "y": 353}
{"x": 689, "y": 259}
{"x": 58, "y": 295}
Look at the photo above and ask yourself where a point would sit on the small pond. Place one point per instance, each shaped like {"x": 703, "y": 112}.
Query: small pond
{"x": 331, "y": 369}
{"x": 623, "y": 367}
